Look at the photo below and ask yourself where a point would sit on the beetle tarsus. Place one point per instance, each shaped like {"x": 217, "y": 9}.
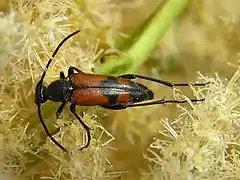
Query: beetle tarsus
{"x": 73, "y": 110}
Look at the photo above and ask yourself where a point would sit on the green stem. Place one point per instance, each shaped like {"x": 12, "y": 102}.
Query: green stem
{"x": 144, "y": 43}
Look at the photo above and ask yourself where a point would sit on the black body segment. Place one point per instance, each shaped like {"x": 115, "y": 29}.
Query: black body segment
{"x": 58, "y": 91}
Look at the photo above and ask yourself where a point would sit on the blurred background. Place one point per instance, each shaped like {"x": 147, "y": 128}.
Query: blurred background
{"x": 204, "y": 38}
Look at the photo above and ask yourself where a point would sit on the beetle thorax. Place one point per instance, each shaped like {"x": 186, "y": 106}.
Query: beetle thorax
{"x": 58, "y": 91}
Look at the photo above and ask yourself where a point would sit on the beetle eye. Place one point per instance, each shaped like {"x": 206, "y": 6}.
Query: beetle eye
{"x": 39, "y": 96}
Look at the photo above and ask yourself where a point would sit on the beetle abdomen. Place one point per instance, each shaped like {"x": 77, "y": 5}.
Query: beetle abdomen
{"x": 92, "y": 89}
{"x": 99, "y": 96}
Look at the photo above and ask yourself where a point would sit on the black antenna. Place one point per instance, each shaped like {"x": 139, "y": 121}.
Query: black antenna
{"x": 39, "y": 89}
{"x": 55, "y": 52}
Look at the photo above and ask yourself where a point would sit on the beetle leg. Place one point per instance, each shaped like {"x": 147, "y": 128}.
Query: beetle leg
{"x": 60, "y": 109}
{"x": 114, "y": 107}
{"x": 128, "y": 76}
{"x": 73, "y": 110}
{"x": 103, "y": 57}
{"x": 163, "y": 101}
{"x": 62, "y": 76}
{"x": 71, "y": 70}
{"x": 166, "y": 83}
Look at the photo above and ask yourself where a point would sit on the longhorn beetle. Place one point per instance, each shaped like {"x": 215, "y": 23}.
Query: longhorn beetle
{"x": 110, "y": 92}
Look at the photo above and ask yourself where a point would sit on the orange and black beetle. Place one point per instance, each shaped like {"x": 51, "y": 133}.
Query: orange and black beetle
{"x": 84, "y": 89}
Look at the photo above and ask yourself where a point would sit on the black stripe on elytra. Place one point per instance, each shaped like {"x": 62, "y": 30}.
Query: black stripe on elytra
{"x": 106, "y": 91}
